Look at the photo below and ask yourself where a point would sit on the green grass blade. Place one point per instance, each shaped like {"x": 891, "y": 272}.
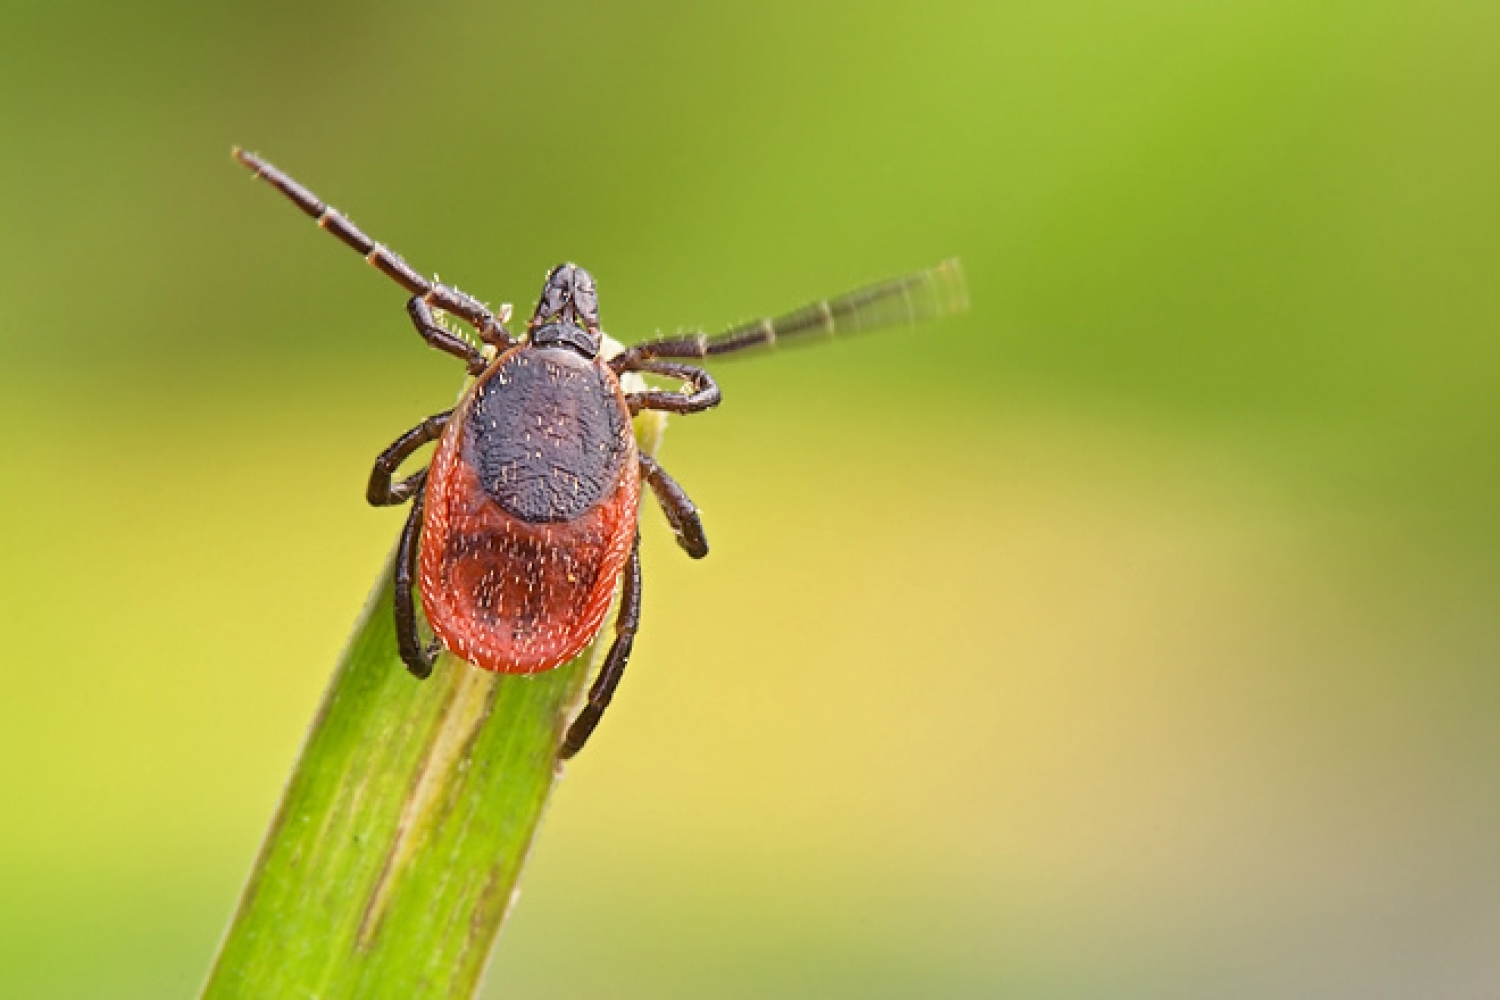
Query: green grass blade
{"x": 394, "y": 856}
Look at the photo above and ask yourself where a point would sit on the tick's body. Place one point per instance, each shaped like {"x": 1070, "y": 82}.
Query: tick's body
{"x": 530, "y": 511}
{"x": 526, "y": 517}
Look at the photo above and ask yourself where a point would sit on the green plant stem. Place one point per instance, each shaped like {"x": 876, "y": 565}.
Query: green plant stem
{"x": 394, "y": 856}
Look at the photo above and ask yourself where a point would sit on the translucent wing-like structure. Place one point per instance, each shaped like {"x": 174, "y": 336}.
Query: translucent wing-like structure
{"x": 909, "y": 299}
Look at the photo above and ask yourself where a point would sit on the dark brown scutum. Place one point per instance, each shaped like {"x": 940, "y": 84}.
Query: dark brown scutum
{"x": 546, "y": 435}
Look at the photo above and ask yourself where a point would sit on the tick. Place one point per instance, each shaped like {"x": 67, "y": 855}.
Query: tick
{"x": 524, "y": 521}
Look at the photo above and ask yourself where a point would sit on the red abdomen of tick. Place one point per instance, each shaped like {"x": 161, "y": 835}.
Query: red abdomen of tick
{"x": 530, "y": 511}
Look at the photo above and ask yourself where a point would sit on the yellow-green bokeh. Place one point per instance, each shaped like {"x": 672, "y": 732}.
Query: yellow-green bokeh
{"x": 1132, "y": 636}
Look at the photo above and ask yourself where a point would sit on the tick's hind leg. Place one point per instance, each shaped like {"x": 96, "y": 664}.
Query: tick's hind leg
{"x": 682, "y": 515}
{"x": 382, "y": 491}
{"x": 418, "y": 658}
{"x": 603, "y": 690}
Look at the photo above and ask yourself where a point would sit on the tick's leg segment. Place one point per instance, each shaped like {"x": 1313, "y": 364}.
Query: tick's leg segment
{"x": 451, "y": 300}
{"x": 687, "y": 345}
{"x": 382, "y": 492}
{"x": 469, "y": 309}
{"x": 614, "y": 663}
{"x": 901, "y": 301}
{"x": 418, "y": 659}
{"x": 682, "y": 515}
{"x": 449, "y": 343}
{"x": 702, "y": 392}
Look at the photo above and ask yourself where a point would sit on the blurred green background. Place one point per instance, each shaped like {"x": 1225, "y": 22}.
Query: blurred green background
{"x": 1134, "y": 635}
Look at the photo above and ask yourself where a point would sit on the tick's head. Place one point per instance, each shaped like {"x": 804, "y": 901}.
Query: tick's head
{"x": 567, "y": 314}
{"x": 568, "y": 297}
